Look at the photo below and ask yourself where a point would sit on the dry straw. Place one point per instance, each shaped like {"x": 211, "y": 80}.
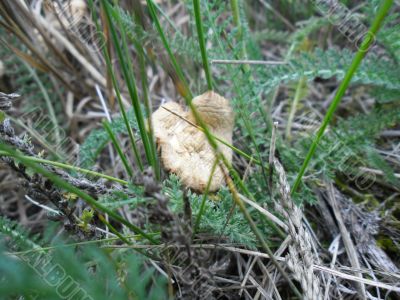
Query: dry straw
{"x": 300, "y": 258}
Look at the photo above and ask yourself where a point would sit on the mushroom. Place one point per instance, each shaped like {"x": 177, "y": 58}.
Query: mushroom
{"x": 184, "y": 149}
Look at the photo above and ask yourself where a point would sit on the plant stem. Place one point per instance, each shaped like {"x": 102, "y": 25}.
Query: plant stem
{"x": 123, "y": 54}
{"x": 202, "y": 43}
{"x": 296, "y": 100}
{"x": 184, "y": 88}
{"x": 68, "y": 167}
{"x": 204, "y": 199}
{"x": 47, "y": 100}
{"x": 121, "y": 153}
{"x": 117, "y": 91}
{"x": 147, "y": 101}
{"x": 238, "y": 23}
{"x": 363, "y": 50}
{"x": 72, "y": 189}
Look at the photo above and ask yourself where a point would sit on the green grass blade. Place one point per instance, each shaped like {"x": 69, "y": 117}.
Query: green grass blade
{"x": 383, "y": 10}
{"x": 72, "y": 189}
{"x": 204, "y": 199}
{"x": 69, "y": 167}
{"x": 185, "y": 90}
{"x": 297, "y": 97}
{"x": 147, "y": 103}
{"x": 117, "y": 90}
{"x": 121, "y": 153}
{"x": 47, "y": 99}
{"x": 127, "y": 70}
{"x": 202, "y": 43}
{"x": 238, "y": 23}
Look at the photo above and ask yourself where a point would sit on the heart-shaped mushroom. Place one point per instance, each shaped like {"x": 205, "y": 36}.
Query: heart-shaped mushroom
{"x": 185, "y": 150}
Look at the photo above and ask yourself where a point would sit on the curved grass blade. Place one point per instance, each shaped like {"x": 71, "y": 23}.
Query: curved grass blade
{"x": 117, "y": 90}
{"x": 184, "y": 88}
{"x": 127, "y": 70}
{"x": 363, "y": 50}
{"x": 202, "y": 43}
{"x": 69, "y": 167}
{"x": 204, "y": 199}
{"x": 121, "y": 153}
{"x": 72, "y": 189}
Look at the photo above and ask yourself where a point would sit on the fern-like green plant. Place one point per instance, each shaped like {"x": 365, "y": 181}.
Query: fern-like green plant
{"x": 213, "y": 220}
{"x": 98, "y": 139}
{"x": 350, "y": 143}
{"x": 333, "y": 63}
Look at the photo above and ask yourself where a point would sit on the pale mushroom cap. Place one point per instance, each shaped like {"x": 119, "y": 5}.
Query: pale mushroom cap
{"x": 185, "y": 149}
{"x": 164, "y": 121}
{"x": 214, "y": 109}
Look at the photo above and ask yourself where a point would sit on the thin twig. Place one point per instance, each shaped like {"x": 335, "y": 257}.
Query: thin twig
{"x": 348, "y": 243}
{"x": 246, "y": 62}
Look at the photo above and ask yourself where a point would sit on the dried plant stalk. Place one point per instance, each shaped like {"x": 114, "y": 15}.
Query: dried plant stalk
{"x": 300, "y": 258}
{"x": 184, "y": 148}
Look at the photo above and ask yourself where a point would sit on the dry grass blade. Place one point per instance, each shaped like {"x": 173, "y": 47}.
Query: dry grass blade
{"x": 265, "y": 212}
{"x": 357, "y": 279}
{"x": 15, "y": 23}
{"x": 348, "y": 243}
